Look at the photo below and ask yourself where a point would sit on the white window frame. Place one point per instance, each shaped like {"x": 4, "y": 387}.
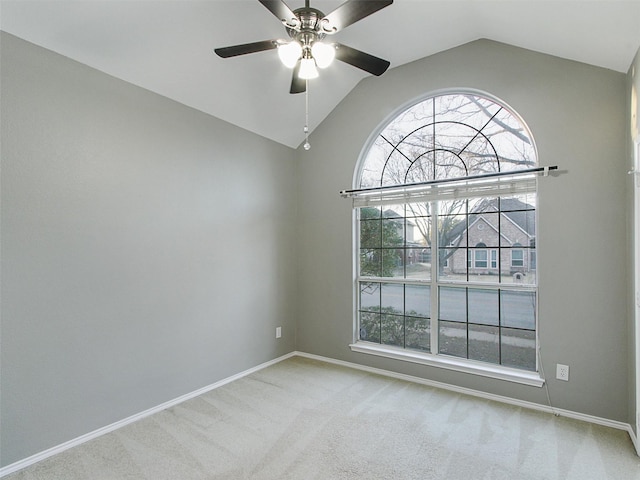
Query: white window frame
{"x": 520, "y": 251}
{"x": 457, "y": 364}
{"x": 475, "y": 257}
{"x": 485, "y": 369}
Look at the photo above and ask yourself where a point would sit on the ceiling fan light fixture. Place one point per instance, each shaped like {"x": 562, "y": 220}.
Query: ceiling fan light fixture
{"x": 308, "y": 69}
{"x": 289, "y": 53}
{"x": 307, "y": 29}
{"x": 323, "y": 53}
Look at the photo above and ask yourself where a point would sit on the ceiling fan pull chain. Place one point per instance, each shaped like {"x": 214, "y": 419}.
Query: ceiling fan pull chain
{"x": 306, "y": 145}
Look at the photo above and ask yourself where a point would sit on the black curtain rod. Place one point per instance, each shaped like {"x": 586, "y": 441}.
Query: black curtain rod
{"x": 449, "y": 180}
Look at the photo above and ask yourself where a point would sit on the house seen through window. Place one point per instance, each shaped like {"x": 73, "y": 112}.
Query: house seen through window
{"x": 450, "y": 271}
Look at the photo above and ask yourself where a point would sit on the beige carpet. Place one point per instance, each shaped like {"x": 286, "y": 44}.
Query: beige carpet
{"x": 301, "y": 419}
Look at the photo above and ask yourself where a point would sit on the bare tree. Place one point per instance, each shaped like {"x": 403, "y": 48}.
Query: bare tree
{"x": 447, "y": 137}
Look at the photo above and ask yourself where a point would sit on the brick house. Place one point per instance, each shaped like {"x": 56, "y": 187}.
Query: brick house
{"x": 496, "y": 240}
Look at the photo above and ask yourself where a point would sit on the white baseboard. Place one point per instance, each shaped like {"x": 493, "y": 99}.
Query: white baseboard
{"x": 19, "y": 465}
{"x": 489, "y": 396}
{"x": 634, "y": 439}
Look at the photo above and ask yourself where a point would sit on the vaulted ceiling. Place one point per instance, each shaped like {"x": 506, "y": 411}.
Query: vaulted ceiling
{"x": 166, "y": 46}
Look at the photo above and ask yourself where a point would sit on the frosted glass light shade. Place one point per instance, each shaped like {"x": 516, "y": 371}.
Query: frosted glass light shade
{"x": 308, "y": 69}
{"x": 289, "y": 53}
{"x": 323, "y": 53}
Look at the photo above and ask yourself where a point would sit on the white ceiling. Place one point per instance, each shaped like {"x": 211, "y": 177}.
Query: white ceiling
{"x": 166, "y": 46}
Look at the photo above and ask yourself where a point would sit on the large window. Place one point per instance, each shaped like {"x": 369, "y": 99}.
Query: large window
{"x": 446, "y": 261}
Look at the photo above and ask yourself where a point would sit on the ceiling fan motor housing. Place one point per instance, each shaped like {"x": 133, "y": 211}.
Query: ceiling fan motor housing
{"x": 308, "y": 26}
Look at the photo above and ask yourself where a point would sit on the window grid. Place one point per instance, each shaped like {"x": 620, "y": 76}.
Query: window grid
{"x": 452, "y": 143}
{"x": 392, "y": 327}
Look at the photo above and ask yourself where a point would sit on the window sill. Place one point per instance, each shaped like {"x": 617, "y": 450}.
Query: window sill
{"x": 459, "y": 365}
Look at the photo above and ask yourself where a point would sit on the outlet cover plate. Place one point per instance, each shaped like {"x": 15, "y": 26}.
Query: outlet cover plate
{"x": 562, "y": 372}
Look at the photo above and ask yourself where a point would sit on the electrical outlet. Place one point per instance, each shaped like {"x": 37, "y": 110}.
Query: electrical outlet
{"x": 562, "y": 372}
{"x": 278, "y": 332}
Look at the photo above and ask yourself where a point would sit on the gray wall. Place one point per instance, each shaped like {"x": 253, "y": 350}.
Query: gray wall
{"x": 577, "y": 114}
{"x": 147, "y": 249}
{"x": 135, "y": 270}
{"x": 633, "y": 90}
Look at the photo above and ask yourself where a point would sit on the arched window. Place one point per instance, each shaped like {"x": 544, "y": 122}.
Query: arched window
{"x": 450, "y": 169}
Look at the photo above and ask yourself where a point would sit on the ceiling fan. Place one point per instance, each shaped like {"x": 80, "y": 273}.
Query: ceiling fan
{"x": 308, "y": 27}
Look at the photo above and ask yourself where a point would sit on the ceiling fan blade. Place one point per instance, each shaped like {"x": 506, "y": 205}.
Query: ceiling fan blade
{"x": 364, "y": 61}
{"x": 280, "y": 10}
{"x": 234, "y": 51}
{"x": 298, "y": 85}
{"x": 350, "y": 12}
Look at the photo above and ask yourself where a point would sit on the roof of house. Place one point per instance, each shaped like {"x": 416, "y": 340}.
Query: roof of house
{"x": 520, "y": 213}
